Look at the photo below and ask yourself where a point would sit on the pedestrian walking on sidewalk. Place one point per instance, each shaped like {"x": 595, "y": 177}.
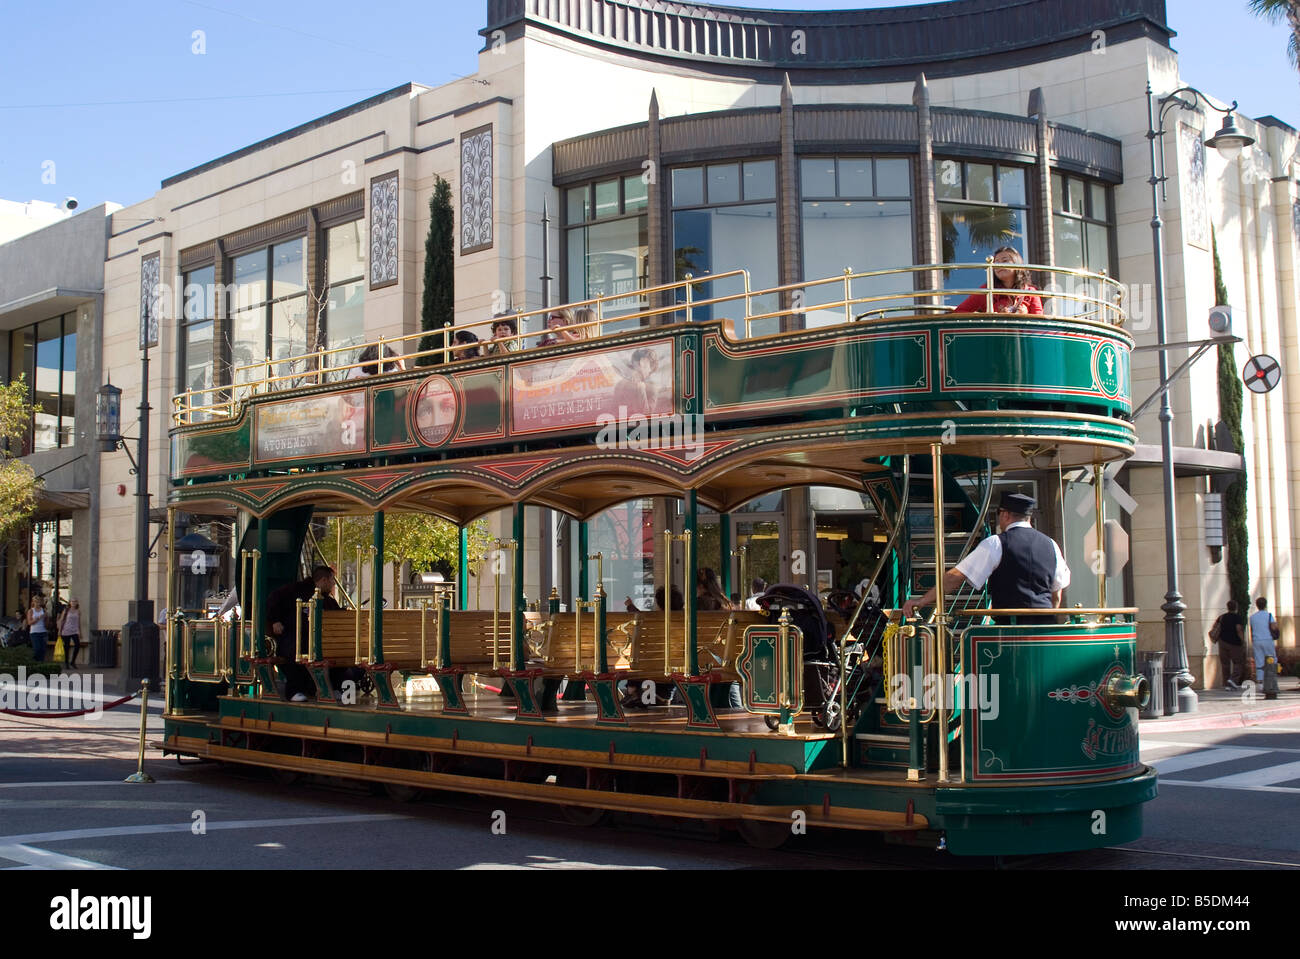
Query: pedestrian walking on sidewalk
{"x": 1263, "y": 636}
{"x": 1229, "y": 632}
{"x": 70, "y": 630}
{"x": 37, "y": 626}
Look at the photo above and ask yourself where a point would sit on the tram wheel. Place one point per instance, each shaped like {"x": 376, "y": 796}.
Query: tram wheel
{"x": 773, "y": 722}
{"x": 763, "y": 835}
{"x": 574, "y": 777}
{"x": 399, "y": 792}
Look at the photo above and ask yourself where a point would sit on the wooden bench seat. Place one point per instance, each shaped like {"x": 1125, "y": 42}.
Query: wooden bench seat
{"x": 554, "y": 643}
{"x": 718, "y": 639}
{"x": 471, "y": 638}
{"x": 338, "y": 636}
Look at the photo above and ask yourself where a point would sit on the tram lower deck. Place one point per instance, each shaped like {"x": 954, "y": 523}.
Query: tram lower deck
{"x": 959, "y": 730}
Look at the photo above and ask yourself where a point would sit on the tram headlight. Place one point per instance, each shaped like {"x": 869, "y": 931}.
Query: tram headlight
{"x": 1124, "y": 691}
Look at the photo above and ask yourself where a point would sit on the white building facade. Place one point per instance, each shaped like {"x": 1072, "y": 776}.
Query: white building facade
{"x": 658, "y": 138}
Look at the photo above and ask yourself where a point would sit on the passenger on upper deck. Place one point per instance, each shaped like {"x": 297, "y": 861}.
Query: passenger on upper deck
{"x": 556, "y": 320}
{"x": 465, "y": 346}
{"x": 503, "y": 335}
{"x": 581, "y": 330}
{"x": 370, "y": 356}
{"x": 1023, "y": 568}
{"x": 1005, "y": 279}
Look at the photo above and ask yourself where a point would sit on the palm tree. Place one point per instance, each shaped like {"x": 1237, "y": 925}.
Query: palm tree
{"x": 1275, "y": 11}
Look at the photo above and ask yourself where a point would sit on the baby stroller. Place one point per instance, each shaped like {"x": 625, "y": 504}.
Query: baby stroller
{"x": 861, "y": 656}
{"x": 820, "y": 659}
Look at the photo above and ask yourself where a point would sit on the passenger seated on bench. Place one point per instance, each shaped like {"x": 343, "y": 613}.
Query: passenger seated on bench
{"x": 282, "y": 622}
{"x": 708, "y": 592}
{"x": 633, "y": 697}
{"x": 676, "y": 598}
{"x": 709, "y": 596}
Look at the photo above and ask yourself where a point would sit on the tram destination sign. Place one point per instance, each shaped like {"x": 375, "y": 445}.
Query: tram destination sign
{"x": 322, "y": 425}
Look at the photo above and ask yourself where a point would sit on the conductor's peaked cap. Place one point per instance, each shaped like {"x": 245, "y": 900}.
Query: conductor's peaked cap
{"x": 1016, "y": 502}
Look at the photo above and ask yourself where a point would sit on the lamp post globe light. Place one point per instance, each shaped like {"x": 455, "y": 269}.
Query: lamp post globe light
{"x": 108, "y": 417}
{"x": 1230, "y": 142}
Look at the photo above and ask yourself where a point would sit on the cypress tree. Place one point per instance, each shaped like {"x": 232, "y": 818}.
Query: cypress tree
{"x": 1234, "y": 497}
{"x": 438, "y": 308}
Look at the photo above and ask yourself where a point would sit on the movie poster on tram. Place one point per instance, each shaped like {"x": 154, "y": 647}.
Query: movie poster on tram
{"x": 326, "y": 425}
{"x": 574, "y": 392}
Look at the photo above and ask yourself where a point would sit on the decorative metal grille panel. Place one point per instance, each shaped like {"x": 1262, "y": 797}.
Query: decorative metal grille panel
{"x": 150, "y": 279}
{"x": 383, "y": 231}
{"x": 476, "y": 190}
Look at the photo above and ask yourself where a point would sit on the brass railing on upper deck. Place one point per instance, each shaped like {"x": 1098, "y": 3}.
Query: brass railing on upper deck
{"x": 850, "y": 298}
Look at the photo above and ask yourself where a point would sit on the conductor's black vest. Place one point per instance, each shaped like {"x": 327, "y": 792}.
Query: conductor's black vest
{"x": 1023, "y": 579}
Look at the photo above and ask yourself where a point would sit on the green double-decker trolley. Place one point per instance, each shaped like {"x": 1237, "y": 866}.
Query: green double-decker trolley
{"x": 948, "y": 730}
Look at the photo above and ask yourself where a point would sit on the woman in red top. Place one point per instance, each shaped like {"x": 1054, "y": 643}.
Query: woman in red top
{"x": 1005, "y": 279}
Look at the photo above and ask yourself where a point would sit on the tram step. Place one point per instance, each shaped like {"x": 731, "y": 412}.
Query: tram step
{"x": 883, "y": 750}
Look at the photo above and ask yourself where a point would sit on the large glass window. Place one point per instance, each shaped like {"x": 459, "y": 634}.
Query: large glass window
{"x": 46, "y": 355}
{"x": 607, "y": 245}
{"x": 345, "y": 272}
{"x": 857, "y": 215}
{"x": 269, "y": 312}
{"x": 198, "y": 357}
{"x": 1081, "y": 230}
{"x": 982, "y": 207}
{"x": 50, "y": 554}
{"x": 724, "y": 219}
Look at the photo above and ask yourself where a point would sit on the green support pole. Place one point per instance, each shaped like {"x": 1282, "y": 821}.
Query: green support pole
{"x": 444, "y": 635}
{"x": 517, "y": 591}
{"x": 584, "y": 585}
{"x": 602, "y": 658}
{"x": 464, "y": 569}
{"x": 724, "y": 535}
{"x": 377, "y": 592}
{"x": 691, "y": 571}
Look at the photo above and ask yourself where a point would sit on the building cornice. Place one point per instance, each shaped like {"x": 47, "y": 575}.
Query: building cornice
{"x": 960, "y": 36}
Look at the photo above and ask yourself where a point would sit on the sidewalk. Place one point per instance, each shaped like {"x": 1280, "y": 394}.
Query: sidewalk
{"x": 1226, "y": 709}
{"x": 1216, "y": 709}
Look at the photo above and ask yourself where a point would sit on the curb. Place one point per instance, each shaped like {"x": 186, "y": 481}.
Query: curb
{"x": 1250, "y": 717}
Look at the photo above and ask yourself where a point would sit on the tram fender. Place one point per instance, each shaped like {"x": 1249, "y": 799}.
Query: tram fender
{"x": 1039, "y": 799}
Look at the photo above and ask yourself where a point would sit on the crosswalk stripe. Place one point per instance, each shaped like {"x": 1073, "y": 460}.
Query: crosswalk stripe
{"x": 1260, "y": 777}
{"x": 1170, "y": 744}
{"x": 1201, "y": 757}
{"x": 1292, "y": 790}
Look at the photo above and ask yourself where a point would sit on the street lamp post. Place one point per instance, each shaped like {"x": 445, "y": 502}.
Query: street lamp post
{"x": 140, "y": 633}
{"x": 1229, "y": 141}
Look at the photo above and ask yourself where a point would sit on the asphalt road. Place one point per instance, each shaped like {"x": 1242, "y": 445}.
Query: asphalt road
{"x": 1227, "y": 801}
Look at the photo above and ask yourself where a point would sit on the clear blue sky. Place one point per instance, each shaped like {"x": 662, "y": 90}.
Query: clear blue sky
{"x": 116, "y": 97}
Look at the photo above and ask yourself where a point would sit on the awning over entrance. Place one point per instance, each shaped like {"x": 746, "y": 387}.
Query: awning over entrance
{"x": 1189, "y": 460}
{"x": 49, "y": 502}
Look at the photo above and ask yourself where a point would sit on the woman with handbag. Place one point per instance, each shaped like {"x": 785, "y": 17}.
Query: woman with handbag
{"x": 70, "y": 631}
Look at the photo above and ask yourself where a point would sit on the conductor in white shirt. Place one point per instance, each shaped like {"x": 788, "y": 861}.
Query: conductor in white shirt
{"x": 1023, "y": 568}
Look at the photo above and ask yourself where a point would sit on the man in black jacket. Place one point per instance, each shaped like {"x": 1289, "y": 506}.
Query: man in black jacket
{"x": 282, "y": 623}
{"x": 1023, "y": 568}
{"x": 1231, "y": 633}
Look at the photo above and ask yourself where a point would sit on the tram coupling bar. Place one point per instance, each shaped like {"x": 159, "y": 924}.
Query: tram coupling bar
{"x": 1122, "y": 691}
